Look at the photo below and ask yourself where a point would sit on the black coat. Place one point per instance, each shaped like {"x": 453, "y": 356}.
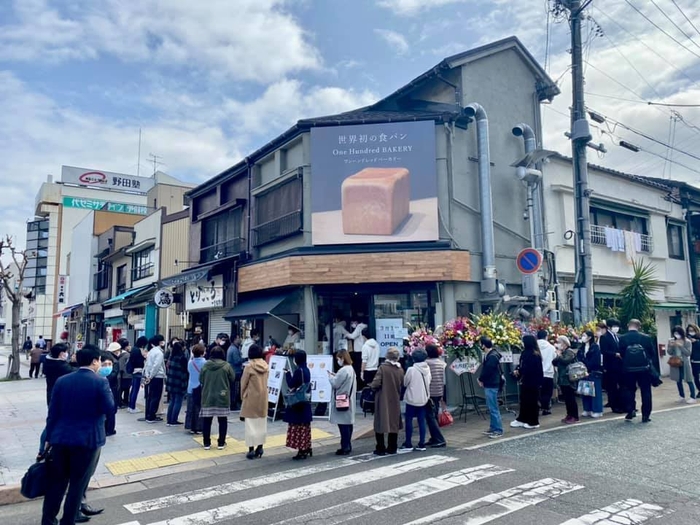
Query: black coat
{"x": 592, "y": 359}
{"x": 53, "y": 369}
{"x": 530, "y": 368}
{"x": 490, "y": 375}
{"x": 300, "y": 413}
{"x": 634, "y": 337}
{"x": 609, "y": 347}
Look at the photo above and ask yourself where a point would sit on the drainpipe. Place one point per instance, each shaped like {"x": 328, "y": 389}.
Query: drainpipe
{"x": 525, "y": 131}
{"x": 489, "y": 283}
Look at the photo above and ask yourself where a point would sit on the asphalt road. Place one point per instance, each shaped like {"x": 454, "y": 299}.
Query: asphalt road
{"x": 605, "y": 473}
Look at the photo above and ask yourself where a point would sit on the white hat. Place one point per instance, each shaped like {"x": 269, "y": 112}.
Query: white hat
{"x": 113, "y": 347}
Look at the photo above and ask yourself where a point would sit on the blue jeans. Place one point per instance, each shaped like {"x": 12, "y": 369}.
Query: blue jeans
{"x": 495, "y": 424}
{"x": 419, "y": 413}
{"x": 174, "y": 407}
{"x": 594, "y": 404}
{"x": 134, "y": 392}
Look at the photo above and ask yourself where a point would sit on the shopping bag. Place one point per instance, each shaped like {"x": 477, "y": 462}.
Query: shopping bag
{"x": 586, "y": 388}
{"x": 445, "y": 419}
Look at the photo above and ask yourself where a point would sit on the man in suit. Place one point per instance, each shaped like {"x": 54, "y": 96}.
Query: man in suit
{"x": 637, "y": 377}
{"x": 76, "y": 434}
{"x": 612, "y": 364}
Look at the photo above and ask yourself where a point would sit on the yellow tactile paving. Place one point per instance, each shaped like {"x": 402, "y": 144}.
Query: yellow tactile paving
{"x": 130, "y": 466}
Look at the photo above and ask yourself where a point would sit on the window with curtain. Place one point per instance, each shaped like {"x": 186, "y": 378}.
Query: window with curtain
{"x": 278, "y": 212}
{"x": 221, "y": 236}
{"x": 674, "y": 235}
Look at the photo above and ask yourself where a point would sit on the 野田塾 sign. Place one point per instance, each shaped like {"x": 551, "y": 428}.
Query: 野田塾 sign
{"x": 106, "y": 180}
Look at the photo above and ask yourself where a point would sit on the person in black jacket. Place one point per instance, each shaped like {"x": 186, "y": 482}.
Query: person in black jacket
{"x": 592, "y": 405}
{"x": 530, "y": 374}
{"x": 640, "y": 378}
{"x": 55, "y": 367}
{"x": 490, "y": 380}
{"x": 134, "y": 366}
{"x": 612, "y": 364}
{"x": 693, "y": 334}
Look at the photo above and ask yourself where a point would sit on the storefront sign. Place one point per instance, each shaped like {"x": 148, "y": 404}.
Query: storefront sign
{"x": 62, "y": 284}
{"x": 464, "y": 365}
{"x": 274, "y": 380}
{"x": 163, "y": 298}
{"x": 379, "y": 183}
{"x": 319, "y": 366}
{"x": 98, "y": 204}
{"x": 390, "y": 334}
{"x": 106, "y": 180}
{"x": 205, "y": 294}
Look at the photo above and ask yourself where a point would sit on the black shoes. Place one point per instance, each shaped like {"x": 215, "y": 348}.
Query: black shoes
{"x": 82, "y": 518}
{"x": 630, "y": 416}
{"x": 90, "y": 511}
{"x": 342, "y": 452}
{"x": 303, "y": 454}
{"x": 546, "y": 412}
{"x": 646, "y": 420}
{"x": 379, "y": 452}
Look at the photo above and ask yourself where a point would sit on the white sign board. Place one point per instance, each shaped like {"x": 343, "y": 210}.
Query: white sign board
{"x": 106, "y": 180}
{"x": 390, "y": 333}
{"x": 319, "y": 366}
{"x": 62, "y": 285}
{"x": 205, "y": 294}
{"x": 163, "y": 298}
{"x": 464, "y": 365}
{"x": 274, "y": 380}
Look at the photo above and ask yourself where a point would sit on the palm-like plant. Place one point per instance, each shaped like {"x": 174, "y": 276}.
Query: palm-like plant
{"x": 635, "y": 297}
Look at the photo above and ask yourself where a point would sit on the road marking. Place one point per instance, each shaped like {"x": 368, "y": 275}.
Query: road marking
{"x": 384, "y": 500}
{"x": 529, "y": 433}
{"x": 131, "y": 523}
{"x": 237, "y": 486}
{"x": 302, "y": 492}
{"x": 494, "y": 506}
{"x": 625, "y": 512}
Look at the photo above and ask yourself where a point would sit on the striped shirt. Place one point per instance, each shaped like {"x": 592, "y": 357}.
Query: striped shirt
{"x": 437, "y": 374}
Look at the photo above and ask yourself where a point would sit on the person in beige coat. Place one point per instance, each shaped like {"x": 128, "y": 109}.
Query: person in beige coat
{"x": 387, "y": 412}
{"x": 254, "y": 396}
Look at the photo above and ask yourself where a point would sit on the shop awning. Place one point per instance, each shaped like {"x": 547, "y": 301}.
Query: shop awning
{"x": 188, "y": 276}
{"x": 143, "y": 245}
{"x": 119, "y": 298}
{"x": 113, "y": 321}
{"x": 675, "y": 306}
{"x": 143, "y": 296}
{"x": 67, "y": 311}
{"x": 255, "y": 308}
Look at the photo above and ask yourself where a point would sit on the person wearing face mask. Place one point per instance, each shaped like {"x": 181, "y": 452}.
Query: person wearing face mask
{"x": 693, "y": 333}
{"x": 134, "y": 366}
{"x": 682, "y": 349}
{"x": 76, "y": 434}
{"x": 293, "y": 337}
{"x": 106, "y": 370}
{"x": 565, "y": 356}
{"x": 609, "y": 341}
{"x": 344, "y": 386}
{"x": 593, "y": 405}
{"x": 56, "y": 366}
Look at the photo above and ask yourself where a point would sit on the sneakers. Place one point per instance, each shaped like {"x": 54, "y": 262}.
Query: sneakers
{"x": 596, "y": 415}
{"x": 487, "y": 432}
{"x": 207, "y": 447}
{"x": 495, "y": 435}
{"x": 406, "y": 446}
{"x": 133, "y": 410}
{"x": 586, "y": 413}
{"x": 691, "y": 401}
{"x": 441, "y": 444}
{"x": 681, "y": 400}
{"x": 517, "y": 424}
{"x": 530, "y": 427}
{"x": 221, "y": 447}
{"x": 420, "y": 448}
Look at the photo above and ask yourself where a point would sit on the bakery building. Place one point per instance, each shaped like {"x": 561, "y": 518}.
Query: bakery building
{"x": 402, "y": 213}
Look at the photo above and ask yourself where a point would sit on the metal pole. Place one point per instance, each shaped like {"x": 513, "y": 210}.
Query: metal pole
{"x": 580, "y": 136}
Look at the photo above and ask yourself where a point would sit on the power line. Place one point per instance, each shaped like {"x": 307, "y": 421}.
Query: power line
{"x": 647, "y": 102}
{"x": 661, "y": 29}
{"x": 674, "y": 23}
{"x": 686, "y": 17}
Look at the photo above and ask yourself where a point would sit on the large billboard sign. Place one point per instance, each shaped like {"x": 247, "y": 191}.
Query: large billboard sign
{"x": 374, "y": 183}
{"x": 106, "y": 180}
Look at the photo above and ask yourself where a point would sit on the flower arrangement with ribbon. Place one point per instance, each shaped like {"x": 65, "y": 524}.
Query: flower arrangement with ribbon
{"x": 459, "y": 338}
{"x": 420, "y": 336}
{"x": 500, "y": 328}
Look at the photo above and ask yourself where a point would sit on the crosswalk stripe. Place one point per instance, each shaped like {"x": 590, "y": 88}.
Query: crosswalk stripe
{"x": 237, "y": 486}
{"x": 494, "y": 506}
{"x": 625, "y": 512}
{"x": 391, "y": 498}
{"x": 302, "y": 492}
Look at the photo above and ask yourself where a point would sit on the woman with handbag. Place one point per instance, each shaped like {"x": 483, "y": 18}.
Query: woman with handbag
{"x": 437, "y": 389}
{"x": 417, "y": 397}
{"x": 343, "y": 405}
{"x": 565, "y": 357}
{"x": 254, "y": 396}
{"x": 298, "y": 415}
{"x": 593, "y": 405}
{"x": 387, "y": 385}
{"x": 680, "y": 349}
{"x": 530, "y": 374}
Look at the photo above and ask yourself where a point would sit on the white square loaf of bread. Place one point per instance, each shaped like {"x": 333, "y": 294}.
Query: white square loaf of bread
{"x": 375, "y": 201}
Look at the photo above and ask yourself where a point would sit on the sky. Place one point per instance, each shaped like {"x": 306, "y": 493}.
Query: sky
{"x": 208, "y": 82}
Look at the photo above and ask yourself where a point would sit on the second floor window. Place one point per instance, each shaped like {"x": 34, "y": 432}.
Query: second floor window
{"x": 221, "y": 236}
{"x": 121, "y": 279}
{"x": 674, "y": 234}
{"x": 102, "y": 277}
{"x": 278, "y": 212}
{"x": 142, "y": 264}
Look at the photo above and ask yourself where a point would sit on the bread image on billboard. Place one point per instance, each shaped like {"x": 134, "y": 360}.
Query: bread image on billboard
{"x": 375, "y": 201}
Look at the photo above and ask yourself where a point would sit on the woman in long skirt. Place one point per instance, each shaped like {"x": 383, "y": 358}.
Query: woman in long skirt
{"x": 254, "y": 396}
{"x": 530, "y": 374}
{"x": 299, "y": 416}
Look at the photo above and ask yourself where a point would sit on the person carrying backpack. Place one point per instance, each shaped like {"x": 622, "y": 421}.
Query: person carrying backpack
{"x": 636, "y": 351}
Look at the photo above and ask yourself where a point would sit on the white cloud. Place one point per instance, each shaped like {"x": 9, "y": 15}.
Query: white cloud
{"x": 414, "y": 7}
{"x": 254, "y": 40}
{"x": 394, "y": 39}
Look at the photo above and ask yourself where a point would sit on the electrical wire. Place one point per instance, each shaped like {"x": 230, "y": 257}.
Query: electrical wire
{"x": 674, "y": 23}
{"x": 646, "y": 102}
{"x": 661, "y": 29}
{"x": 686, "y": 17}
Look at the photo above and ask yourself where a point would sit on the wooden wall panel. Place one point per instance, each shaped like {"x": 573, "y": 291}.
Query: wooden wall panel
{"x": 356, "y": 268}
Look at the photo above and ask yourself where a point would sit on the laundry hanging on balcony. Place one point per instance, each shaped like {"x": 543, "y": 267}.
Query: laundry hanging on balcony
{"x": 623, "y": 241}
{"x": 614, "y": 239}
{"x": 633, "y": 245}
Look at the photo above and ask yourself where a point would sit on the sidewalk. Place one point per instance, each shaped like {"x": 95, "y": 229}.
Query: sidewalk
{"x": 143, "y": 451}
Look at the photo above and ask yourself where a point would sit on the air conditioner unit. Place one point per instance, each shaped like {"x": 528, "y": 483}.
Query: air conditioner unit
{"x": 93, "y": 325}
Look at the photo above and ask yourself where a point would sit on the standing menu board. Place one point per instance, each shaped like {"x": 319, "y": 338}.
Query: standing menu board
{"x": 275, "y": 378}
{"x": 319, "y": 366}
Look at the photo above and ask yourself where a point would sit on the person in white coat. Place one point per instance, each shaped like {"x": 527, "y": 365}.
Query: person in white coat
{"x": 548, "y": 354}
{"x": 340, "y": 336}
{"x": 343, "y": 403}
{"x": 417, "y": 396}
{"x": 357, "y": 336}
{"x": 370, "y": 360}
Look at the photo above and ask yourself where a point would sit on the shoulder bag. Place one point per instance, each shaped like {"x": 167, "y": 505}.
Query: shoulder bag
{"x": 36, "y": 479}
{"x": 429, "y": 405}
{"x": 342, "y": 401}
{"x": 299, "y": 395}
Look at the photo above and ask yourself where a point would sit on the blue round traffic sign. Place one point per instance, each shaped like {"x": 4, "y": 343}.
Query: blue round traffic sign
{"x": 529, "y": 261}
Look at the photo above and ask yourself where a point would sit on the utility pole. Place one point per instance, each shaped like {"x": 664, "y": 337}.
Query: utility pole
{"x": 584, "y": 307}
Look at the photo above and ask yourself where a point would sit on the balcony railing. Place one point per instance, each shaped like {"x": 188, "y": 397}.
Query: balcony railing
{"x": 222, "y": 250}
{"x": 277, "y": 229}
{"x": 141, "y": 272}
{"x": 598, "y": 237}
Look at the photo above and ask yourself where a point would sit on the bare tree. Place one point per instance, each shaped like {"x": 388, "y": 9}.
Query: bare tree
{"x": 11, "y": 280}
